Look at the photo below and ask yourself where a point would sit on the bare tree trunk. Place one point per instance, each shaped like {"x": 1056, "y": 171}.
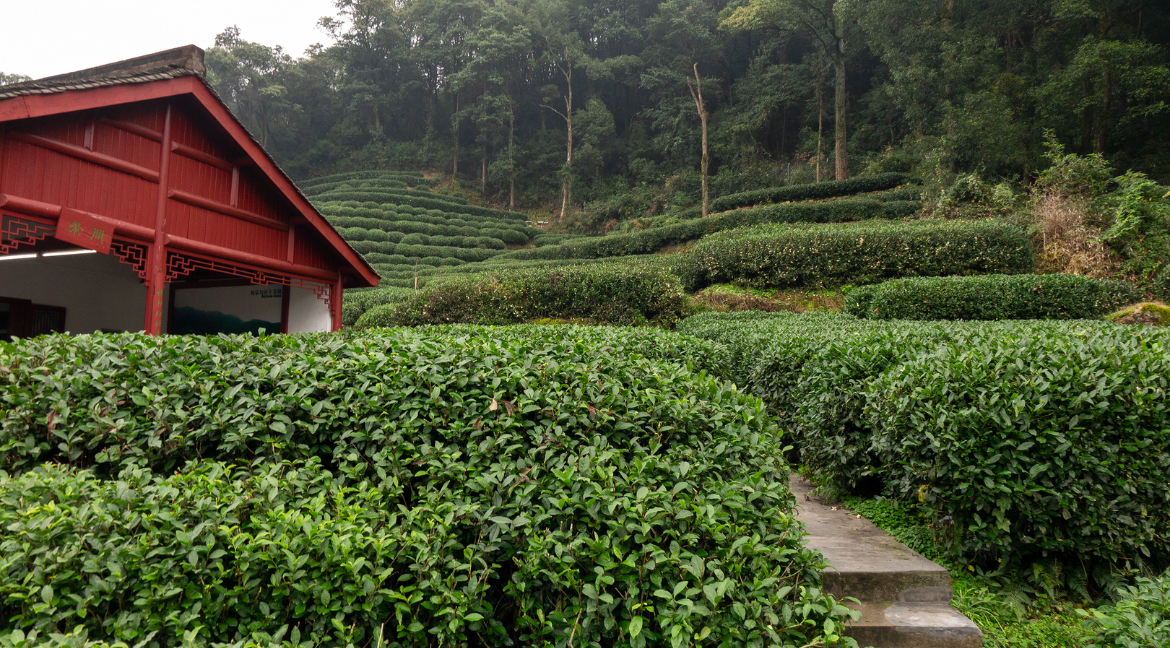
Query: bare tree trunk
{"x": 697, "y": 95}
{"x": 455, "y": 164}
{"x": 569, "y": 144}
{"x": 511, "y": 161}
{"x": 840, "y": 99}
{"x": 483, "y": 160}
{"x": 820, "y": 125}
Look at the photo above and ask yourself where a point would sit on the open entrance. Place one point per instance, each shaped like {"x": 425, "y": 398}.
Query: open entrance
{"x": 50, "y": 286}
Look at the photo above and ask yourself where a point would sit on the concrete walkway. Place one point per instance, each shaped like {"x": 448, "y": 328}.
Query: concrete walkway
{"x": 904, "y": 598}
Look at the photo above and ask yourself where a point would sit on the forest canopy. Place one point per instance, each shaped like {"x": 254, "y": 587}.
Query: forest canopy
{"x": 527, "y": 98}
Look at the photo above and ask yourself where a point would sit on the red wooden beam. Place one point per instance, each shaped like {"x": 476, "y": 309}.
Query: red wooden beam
{"x": 156, "y": 279}
{"x": 200, "y": 156}
{"x": 226, "y": 210}
{"x": 265, "y": 263}
{"x": 48, "y": 210}
{"x": 141, "y": 131}
{"x": 81, "y": 153}
{"x": 62, "y": 102}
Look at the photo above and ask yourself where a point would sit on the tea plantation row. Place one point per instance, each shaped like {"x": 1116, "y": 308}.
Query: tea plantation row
{"x": 1032, "y": 440}
{"x": 407, "y": 487}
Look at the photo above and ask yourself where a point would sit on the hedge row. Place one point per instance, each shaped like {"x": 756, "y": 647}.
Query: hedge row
{"x": 359, "y": 175}
{"x": 782, "y": 256}
{"x": 653, "y": 240}
{"x": 812, "y": 191}
{"x": 369, "y": 226}
{"x": 436, "y": 216}
{"x": 1030, "y": 440}
{"x": 991, "y": 297}
{"x": 430, "y": 224}
{"x": 424, "y": 199}
{"x": 355, "y": 303}
{"x": 403, "y": 488}
{"x": 403, "y": 249}
{"x": 910, "y": 193}
{"x": 354, "y": 184}
{"x": 381, "y": 260}
{"x": 618, "y": 293}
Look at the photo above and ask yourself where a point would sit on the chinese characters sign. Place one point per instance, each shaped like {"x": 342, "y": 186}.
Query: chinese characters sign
{"x": 81, "y": 229}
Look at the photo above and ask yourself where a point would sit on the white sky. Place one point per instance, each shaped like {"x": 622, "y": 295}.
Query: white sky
{"x": 46, "y": 37}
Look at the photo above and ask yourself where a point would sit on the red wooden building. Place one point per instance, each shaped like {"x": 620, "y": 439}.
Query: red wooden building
{"x": 132, "y": 199}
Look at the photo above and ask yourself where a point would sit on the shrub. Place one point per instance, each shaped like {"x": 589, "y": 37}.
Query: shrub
{"x": 1162, "y": 284}
{"x": 990, "y": 297}
{"x": 653, "y": 240}
{"x": 421, "y": 199}
{"x": 781, "y": 256}
{"x": 830, "y": 189}
{"x": 1140, "y": 617}
{"x": 407, "y": 486}
{"x": 612, "y": 294}
{"x": 1035, "y": 440}
{"x": 356, "y": 302}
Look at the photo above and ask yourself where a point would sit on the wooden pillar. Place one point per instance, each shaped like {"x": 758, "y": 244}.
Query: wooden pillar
{"x": 156, "y": 276}
{"x": 285, "y": 299}
{"x": 335, "y": 303}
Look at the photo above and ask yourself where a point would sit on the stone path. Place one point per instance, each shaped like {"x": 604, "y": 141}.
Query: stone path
{"x": 905, "y": 598}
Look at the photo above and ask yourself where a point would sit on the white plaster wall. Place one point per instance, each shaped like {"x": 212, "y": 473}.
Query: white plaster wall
{"x": 245, "y": 302}
{"x": 97, "y": 290}
{"x": 306, "y": 313}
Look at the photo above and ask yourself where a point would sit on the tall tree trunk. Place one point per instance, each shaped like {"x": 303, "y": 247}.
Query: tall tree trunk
{"x": 483, "y": 159}
{"x": 455, "y": 164}
{"x": 511, "y": 161}
{"x": 820, "y": 124}
{"x": 568, "y": 145}
{"x": 697, "y": 95}
{"x": 840, "y": 100}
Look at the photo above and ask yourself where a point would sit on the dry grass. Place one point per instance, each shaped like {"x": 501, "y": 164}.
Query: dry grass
{"x": 797, "y": 301}
{"x": 1068, "y": 242}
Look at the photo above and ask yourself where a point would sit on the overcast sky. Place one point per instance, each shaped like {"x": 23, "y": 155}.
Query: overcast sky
{"x": 46, "y": 37}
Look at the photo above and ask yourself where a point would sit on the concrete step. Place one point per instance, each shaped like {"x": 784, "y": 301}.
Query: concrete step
{"x": 904, "y": 598}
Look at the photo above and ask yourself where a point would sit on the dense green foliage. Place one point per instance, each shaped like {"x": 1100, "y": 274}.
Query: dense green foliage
{"x": 811, "y": 191}
{"x": 615, "y": 293}
{"x": 1140, "y": 617}
{"x": 654, "y": 239}
{"x": 942, "y": 90}
{"x": 990, "y": 297}
{"x": 1015, "y": 433}
{"x": 460, "y": 486}
{"x": 782, "y": 256}
{"x": 356, "y": 302}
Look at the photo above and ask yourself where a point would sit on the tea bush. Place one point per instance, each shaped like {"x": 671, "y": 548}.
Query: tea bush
{"x": 654, "y": 239}
{"x": 1036, "y": 440}
{"x": 414, "y": 487}
{"x": 782, "y": 256}
{"x": 812, "y": 191}
{"x": 355, "y": 303}
{"x": 615, "y": 293}
{"x": 991, "y": 297}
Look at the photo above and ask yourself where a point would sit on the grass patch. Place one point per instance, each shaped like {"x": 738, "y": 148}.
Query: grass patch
{"x": 728, "y": 298}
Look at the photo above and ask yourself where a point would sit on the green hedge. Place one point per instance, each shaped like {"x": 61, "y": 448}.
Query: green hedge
{"x": 606, "y": 293}
{"x": 812, "y": 191}
{"x": 359, "y": 175}
{"x": 355, "y": 303}
{"x": 781, "y": 256}
{"x": 403, "y": 488}
{"x": 1029, "y": 441}
{"x": 423, "y": 199}
{"x": 652, "y": 240}
{"x": 408, "y": 250}
{"x": 991, "y": 297}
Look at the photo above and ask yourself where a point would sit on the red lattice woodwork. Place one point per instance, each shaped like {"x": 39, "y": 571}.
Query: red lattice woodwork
{"x": 132, "y": 254}
{"x": 16, "y": 231}
{"x": 181, "y": 265}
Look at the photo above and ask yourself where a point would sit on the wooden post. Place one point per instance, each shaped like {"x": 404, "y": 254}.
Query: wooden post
{"x": 157, "y": 273}
{"x": 335, "y": 303}
{"x": 285, "y": 299}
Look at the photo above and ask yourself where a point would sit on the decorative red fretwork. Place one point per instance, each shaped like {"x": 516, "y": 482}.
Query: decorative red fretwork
{"x": 181, "y": 265}
{"x": 132, "y": 254}
{"x": 16, "y": 231}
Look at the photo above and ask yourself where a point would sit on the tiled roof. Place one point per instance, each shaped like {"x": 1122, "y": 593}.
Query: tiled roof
{"x": 58, "y": 85}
